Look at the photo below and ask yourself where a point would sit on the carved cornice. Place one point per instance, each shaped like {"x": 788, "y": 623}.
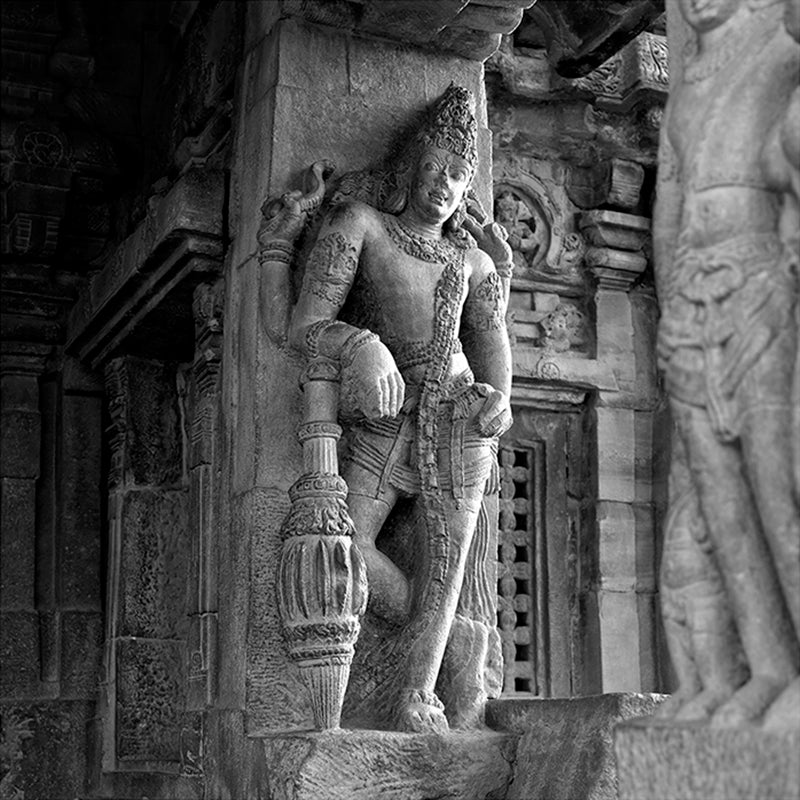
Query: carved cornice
{"x": 180, "y": 240}
{"x": 582, "y": 34}
{"x": 638, "y": 72}
{"x": 469, "y": 28}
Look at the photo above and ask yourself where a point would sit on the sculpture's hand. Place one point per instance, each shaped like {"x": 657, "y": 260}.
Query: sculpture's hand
{"x": 491, "y": 239}
{"x": 494, "y": 418}
{"x": 282, "y": 220}
{"x": 380, "y": 389}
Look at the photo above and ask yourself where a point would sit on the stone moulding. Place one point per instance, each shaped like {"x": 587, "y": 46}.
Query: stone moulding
{"x": 181, "y": 237}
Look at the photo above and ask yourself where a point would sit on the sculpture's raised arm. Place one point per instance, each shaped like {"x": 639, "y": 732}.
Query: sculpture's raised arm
{"x": 485, "y": 338}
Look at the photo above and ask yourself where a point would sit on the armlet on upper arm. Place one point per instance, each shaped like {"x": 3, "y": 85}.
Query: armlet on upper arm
{"x": 483, "y": 310}
{"x": 330, "y": 269}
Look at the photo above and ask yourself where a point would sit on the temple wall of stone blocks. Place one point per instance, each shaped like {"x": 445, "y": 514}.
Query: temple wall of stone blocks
{"x": 149, "y": 410}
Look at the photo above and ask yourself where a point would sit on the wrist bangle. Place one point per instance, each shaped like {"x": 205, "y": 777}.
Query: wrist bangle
{"x": 313, "y": 334}
{"x": 353, "y": 344}
{"x": 276, "y": 250}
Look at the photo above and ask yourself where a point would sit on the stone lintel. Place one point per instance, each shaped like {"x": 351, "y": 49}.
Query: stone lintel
{"x": 547, "y": 396}
{"x": 538, "y": 365}
{"x": 181, "y": 236}
{"x": 691, "y": 761}
{"x": 367, "y": 764}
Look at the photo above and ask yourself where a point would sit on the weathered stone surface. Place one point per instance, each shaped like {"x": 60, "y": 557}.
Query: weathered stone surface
{"x": 276, "y": 695}
{"x": 80, "y": 501}
{"x": 155, "y": 555}
{"x": 151, "y": 688}
{"x": 365, "y": 765}
{"x": 17, "y": 543}
{"x": 19, "y": 653}
{"x": 19, "y": 439}
{"x": 81, "y": 653}
{"x": 153, "y": 425}
{"x": 44, "y": 750}
{"x": 566, "y": 749}
{"x": 694, "y": 762}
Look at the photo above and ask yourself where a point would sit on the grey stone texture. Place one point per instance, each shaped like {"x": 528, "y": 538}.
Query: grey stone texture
{"x": 366, "y": 765}
{"x": 692, "y": 761}
{"x": 566, "y": 750}
{"x": 44, "y": 749}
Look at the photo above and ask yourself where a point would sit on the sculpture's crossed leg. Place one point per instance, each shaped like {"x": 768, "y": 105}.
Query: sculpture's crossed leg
{"x": 390, "y": 597}
{"x": 732, "y": 492}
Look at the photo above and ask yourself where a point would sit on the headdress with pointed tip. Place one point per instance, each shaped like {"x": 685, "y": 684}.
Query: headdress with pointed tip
{"x": 451, "y": 125}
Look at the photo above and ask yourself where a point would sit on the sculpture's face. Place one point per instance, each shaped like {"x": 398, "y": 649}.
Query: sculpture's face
{"x": 505, "y": 206}
{"x": 703, "y": 15}
{"x": 439, "y": 185}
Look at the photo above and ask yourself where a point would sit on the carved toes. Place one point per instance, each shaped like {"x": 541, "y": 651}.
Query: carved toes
{"x": 420, "y": 711}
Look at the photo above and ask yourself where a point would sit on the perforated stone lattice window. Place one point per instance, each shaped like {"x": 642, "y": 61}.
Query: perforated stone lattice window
{"x": 516, "y": 608}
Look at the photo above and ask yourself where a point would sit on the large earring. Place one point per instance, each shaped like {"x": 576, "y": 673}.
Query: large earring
{"x": 457, "y": 217}
{"x": 397, "y": 200}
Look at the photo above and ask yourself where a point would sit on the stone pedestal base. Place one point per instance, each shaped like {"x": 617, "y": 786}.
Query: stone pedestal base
{"x": 695, "y": 762}
{"x": 566, "y": 747}
{"x": 365, "y": 765}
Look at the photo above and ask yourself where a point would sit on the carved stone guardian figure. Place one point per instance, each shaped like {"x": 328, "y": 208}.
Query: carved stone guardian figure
{"x": 398, "y": 296}
{"x": 726, "y": 267}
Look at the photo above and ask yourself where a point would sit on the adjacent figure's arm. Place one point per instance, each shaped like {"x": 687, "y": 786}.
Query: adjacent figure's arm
{"x": 485, "y": 338}
{"x": 314, "y": 329}
{"x": 666, "y": 212}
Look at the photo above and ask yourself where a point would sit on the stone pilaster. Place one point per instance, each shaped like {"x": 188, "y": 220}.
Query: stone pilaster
{"x": 20, "y": 442}
{"x": 625, "y": 520}
{"x": 203, "y": 457}
{"x": 145, "y": 681}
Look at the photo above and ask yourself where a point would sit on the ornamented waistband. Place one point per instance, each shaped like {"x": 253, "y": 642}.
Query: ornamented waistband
{"x": 413, "y": 354}
{"x": 752, "y": 248}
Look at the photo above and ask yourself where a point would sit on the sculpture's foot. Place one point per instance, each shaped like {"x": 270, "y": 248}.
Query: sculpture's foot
{"x": 748, "y": 703}
{"x": 703, "y": 705}
{"x": 785, "y": 711}
{"x": 420, "y": 711}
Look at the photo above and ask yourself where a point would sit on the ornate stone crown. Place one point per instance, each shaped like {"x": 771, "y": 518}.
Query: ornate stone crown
{"x": 452, "y": 126}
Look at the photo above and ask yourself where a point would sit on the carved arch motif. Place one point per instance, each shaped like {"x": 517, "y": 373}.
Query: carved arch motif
{"x": 545, "y": 245}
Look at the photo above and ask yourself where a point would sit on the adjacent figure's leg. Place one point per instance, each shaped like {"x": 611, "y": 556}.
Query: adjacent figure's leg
{"x": 702, "y": 641}
{"x": 745, "y": 561}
